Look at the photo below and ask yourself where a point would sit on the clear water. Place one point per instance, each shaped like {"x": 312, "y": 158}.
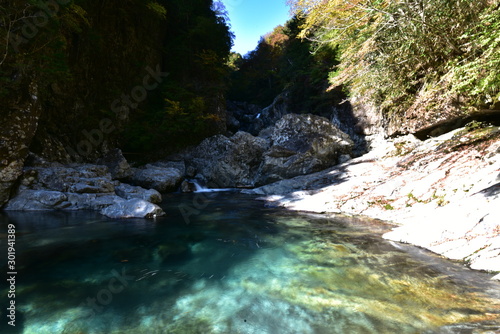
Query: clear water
{"x": 237, "y": 267}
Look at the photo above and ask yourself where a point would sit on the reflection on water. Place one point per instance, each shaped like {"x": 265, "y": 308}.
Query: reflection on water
{"x": 237, "y": 267}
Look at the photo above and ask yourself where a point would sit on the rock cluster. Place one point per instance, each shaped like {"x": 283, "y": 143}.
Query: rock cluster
{"x": 296, "y": 145}
{"x": 83, "y": 187}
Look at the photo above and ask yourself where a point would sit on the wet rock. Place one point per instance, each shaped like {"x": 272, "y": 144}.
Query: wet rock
{"x": 191, "y": 172}
{"x": 127, "y": 191}
{"x": 188, "y": 187}
{"x": 158, "y": 178}
{"x": 302, "y": 144}
{"x": 133, "y": 208}
{"x": 117, "y": 164}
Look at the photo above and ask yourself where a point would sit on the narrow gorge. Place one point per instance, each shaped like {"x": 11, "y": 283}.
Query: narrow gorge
{"x": 154, "y": 181}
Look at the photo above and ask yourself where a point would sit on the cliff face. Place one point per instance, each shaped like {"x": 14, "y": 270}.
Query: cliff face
{"x": 16, "y": 133}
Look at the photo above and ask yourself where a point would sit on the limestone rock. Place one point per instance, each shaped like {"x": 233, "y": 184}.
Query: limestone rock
{"x": 133, "y": 208}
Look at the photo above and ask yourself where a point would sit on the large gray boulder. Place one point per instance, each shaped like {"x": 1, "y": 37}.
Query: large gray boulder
{"x": 36, "y": 200}
{"x": 74, "y": 178}
{"x": 162, "y": 179}
{"x": 302, "y": 144}
{"x": 127, "y": 191}
{"x": 228, "y": 162}
{"x": 133, "y": 208}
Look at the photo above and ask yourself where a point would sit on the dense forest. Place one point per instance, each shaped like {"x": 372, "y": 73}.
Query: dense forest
{"x": 139, "y": 74}
{"x": 153, "y": 76}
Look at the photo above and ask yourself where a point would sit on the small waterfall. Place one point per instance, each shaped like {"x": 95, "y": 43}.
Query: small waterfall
{"x": 202, "y": 189}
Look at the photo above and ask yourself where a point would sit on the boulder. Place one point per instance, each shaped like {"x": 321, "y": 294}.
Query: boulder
{"x": 116, "y": 163}
{"x": 133, "y": 208}
{"x": 94, "y": 202}
{"x": 180, "y": 165}
{"x": 162, "y": 179}
{"x": 73, "y": 178}
{"x": 127, "y": 191}
{"x": 228, "y": 162}
{"x": 35, "y": 200}
{"x": 302, "y": 144}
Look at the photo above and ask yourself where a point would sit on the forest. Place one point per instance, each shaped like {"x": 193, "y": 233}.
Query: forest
{"x": 157, "y": 73}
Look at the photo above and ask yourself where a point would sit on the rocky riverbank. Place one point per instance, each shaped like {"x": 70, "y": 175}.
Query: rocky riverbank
{"x": 444, "y": 192}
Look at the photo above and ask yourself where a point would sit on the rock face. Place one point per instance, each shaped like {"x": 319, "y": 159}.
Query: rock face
{"x": 117, "y": 164}
{"x": 134, "y": 208}
{"x": 162, "y": 179}
{"x": 16, "y": 134}
{"x": 302, "y": 144}
{"x": 228, "y": 162}
{"x": 250, "y": 118}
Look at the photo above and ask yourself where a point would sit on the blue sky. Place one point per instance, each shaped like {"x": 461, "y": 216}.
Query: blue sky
{"x": 251, "y": 19}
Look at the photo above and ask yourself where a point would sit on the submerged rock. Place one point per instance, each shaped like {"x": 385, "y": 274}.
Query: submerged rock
{"x": 173, "y": 251}
{"x": 133, "y": 208}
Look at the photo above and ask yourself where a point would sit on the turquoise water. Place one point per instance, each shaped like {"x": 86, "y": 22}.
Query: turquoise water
{"x": 234, "y": 266}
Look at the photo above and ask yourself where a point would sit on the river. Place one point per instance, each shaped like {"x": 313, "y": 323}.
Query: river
{"x": 225, "y": 263}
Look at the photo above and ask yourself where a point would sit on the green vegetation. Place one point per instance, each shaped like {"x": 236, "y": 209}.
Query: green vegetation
{"x": 395, "y": 51}
{"x": 284, "y": 62}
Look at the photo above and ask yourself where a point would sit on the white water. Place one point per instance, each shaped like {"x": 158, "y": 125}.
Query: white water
{"x": 202, "y": 189}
